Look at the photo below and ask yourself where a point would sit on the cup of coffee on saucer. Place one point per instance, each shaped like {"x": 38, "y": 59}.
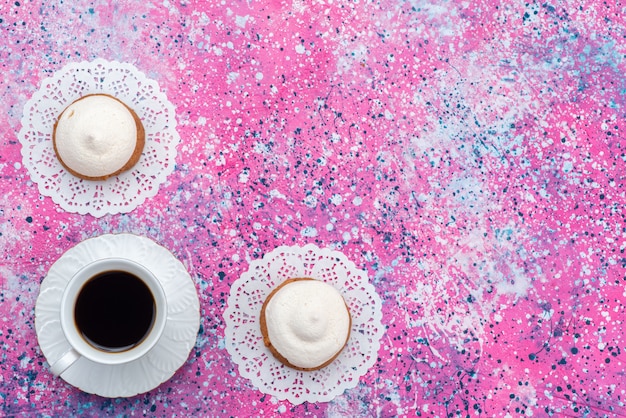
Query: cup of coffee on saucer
{"x": 117, "y": 315}
{"x": 112, "y": 312}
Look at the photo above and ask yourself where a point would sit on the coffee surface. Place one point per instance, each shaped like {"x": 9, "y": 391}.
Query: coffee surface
{"x": 114, "y": 311}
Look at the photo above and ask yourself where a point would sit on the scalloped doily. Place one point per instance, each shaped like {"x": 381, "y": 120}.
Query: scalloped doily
{"x": 118, "y": 194}
{"x": 243, "y": 336}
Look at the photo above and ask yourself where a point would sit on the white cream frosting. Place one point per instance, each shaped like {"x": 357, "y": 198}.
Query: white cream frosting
{"x": 96, "y": 136}
{"x": 307, "y": 322}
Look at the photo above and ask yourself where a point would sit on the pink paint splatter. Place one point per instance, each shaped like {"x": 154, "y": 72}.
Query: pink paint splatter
{"x": 469, "y": 156}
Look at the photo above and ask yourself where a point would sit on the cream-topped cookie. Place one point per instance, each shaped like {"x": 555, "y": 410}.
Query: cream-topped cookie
{"x": 97, "y": 137}
{"x": 305, "y": 323}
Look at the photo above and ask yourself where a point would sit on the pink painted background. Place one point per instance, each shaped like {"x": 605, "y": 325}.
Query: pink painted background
{"x": 470, "y": 156}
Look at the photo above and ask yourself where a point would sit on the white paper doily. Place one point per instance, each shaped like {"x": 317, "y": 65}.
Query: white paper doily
{"x": 179, "y": 335}
{"x": 118, "y": 194}
{"x": 243, "y": 336}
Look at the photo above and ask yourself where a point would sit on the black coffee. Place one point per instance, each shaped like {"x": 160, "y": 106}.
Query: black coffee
{"x": 114, "y": 311}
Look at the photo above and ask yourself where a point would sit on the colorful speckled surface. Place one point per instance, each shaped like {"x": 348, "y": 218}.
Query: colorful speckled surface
{"x": 470, "y": 156}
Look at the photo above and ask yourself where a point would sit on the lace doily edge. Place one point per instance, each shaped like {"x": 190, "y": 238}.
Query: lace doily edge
{"x": 39, "y": 94}
{"x": 341, "y": 388}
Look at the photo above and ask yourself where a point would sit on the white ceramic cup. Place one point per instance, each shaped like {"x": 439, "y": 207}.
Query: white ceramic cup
{"x": 79, "y": 347}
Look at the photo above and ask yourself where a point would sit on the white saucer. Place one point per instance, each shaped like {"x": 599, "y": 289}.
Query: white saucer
{"x": 172, "y": 350}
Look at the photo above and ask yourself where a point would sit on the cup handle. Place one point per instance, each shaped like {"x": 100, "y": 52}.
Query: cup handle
{"x": 66, "y": 360}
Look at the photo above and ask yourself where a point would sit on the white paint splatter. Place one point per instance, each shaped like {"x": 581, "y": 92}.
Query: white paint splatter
{"x": 336, "y": 199}
{"x": 231, "y": 77}
{"x": 241, "y": 21}
{"x": 309, "y": 232}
